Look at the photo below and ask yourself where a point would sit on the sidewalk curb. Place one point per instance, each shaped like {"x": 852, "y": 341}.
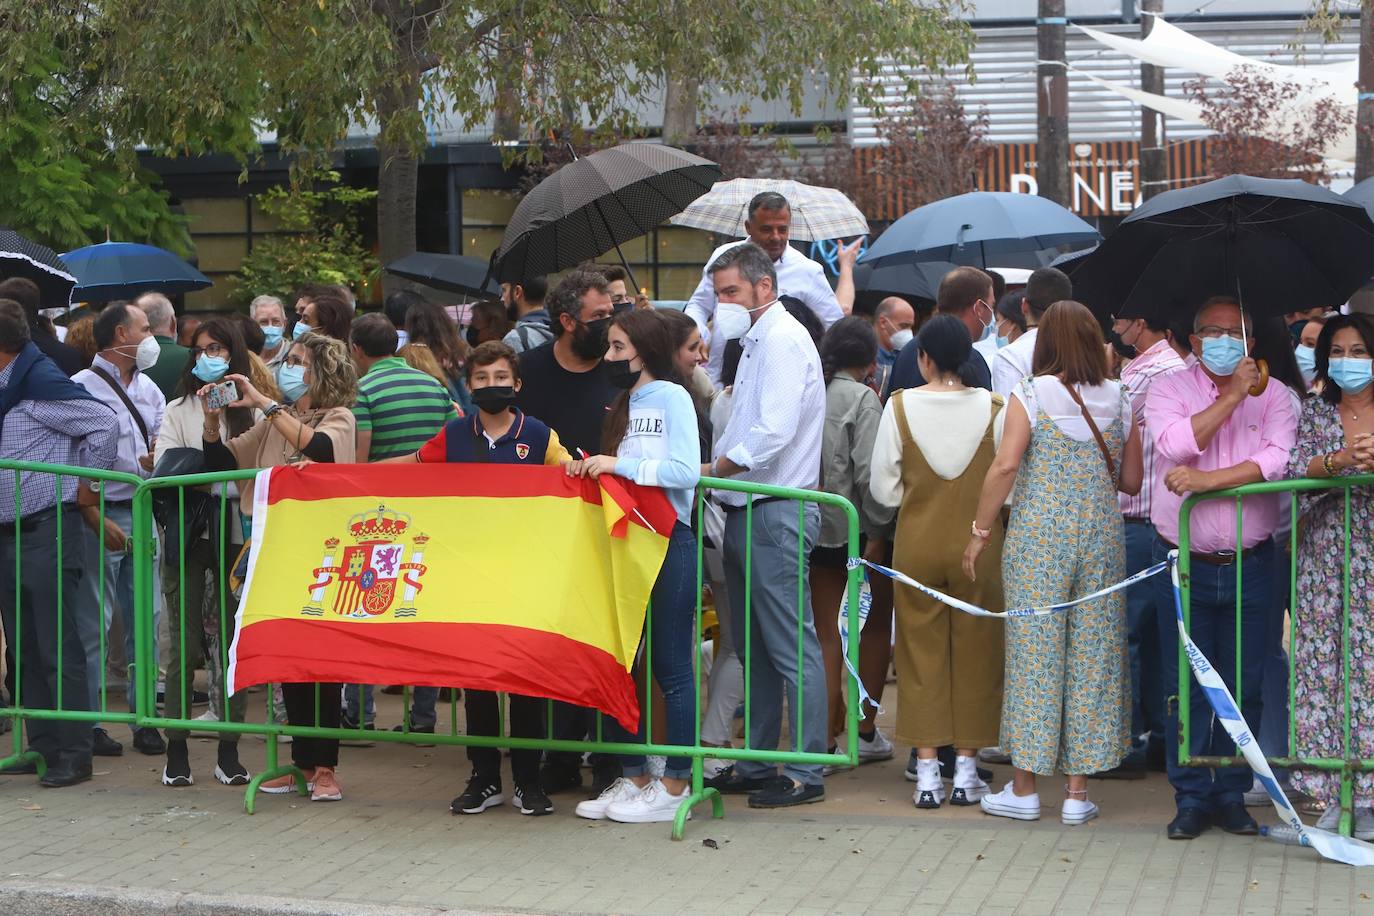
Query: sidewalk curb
{"x": 39, "y": 898}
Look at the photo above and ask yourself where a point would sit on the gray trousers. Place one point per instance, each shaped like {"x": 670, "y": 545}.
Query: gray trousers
{"x": 44, "y": 660}
{"x": 772, "y": 628}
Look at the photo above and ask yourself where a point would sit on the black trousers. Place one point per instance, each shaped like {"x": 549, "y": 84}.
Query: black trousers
{"x": 308, "y": 753}
{"x": 574, "y": 723}
{"x": 46, "y": 662}
{"x": 526, "y": 721}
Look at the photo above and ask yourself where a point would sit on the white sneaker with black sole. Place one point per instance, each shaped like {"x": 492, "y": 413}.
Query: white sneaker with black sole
{"x": 1008, "y": 804}
{"x": 478, "y": 797}
{"x": 968, "y": 788}
{"x": 930, "y": 790}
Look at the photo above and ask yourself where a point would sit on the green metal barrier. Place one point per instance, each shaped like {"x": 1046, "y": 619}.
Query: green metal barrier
{"x": 1348, "y": 764}
{"x": 226, "y": 516}
{"x": 92, "y": 597}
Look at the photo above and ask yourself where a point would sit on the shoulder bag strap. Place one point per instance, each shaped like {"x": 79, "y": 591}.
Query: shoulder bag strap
{"x": 1092, "y": 425}
{"x": 123, "y": 396}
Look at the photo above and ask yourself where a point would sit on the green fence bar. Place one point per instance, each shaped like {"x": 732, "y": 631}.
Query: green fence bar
{"x": 1349, "y": 764}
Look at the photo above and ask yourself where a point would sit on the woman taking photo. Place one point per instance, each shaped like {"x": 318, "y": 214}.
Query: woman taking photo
{"x": 1069, "y": 445}
{"x": 934, "y": 446}
{"x": 319, "y": 379}
{"x": 849, "y": 354}
{"x": 651, "y": 437}
{"x": 1336, "y": 439}
{"x": 195, "y": 556}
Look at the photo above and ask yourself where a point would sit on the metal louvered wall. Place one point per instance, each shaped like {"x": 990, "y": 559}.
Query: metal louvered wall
{"x": 1004, "y": 78}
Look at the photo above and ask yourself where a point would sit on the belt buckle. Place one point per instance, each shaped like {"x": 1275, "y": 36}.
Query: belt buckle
{"x": 1226, "y": 557}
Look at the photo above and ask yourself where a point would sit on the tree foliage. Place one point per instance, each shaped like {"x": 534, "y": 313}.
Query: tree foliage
{"x": 323, "y": 244}
{"x": 1268, "y": 128}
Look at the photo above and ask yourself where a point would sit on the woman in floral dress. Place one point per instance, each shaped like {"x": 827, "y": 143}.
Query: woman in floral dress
{"x": 1336, "y": 438}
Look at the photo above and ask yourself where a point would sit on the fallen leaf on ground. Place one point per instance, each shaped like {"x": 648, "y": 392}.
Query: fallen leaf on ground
{"x": 980, "y": 857}
{"x": 32, "y": 807}
{"x": 710, "y": 843}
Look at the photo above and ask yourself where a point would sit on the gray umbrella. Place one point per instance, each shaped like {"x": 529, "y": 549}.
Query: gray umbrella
{"x": 591, "y": 205}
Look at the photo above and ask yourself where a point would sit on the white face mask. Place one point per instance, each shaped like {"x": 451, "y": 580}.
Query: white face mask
{"x": 732, "y": 319}
{"x": 402, "y": 338}
{"x": 146, "y": 353}
{"x": 901, "y": 337}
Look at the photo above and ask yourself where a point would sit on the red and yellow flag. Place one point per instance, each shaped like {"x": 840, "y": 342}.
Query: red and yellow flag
{"x": 493, "y": 577}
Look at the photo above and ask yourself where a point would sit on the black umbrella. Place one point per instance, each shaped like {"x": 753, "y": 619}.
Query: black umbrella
{"x": 910, "y": 280}
{"x": 20, "y": 257}
{"x": 453, "y": 272}
{"x": 1277, "y": 245}
{"x": 591, "y": 205}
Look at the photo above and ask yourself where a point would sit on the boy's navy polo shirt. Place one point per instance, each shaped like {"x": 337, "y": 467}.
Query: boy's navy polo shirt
{"x": 528, "y": 441}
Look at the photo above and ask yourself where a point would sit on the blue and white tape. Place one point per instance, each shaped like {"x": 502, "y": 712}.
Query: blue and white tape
{"x": 865, "y": 603}
{"x": 1330, "y": 845}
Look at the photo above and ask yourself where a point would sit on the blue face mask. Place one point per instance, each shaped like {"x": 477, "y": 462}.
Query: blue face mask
{"x": 1003, "y": 341}
{"x": 1307, "y": 362}
{"x": 273, "y": 335}
{"x": 1353, "y": 375}
{"x": 210, "y": 368}
{"x": 300, "y": 330}
{"x": 1221, "y": 355}
{"x": 291, "y": 379}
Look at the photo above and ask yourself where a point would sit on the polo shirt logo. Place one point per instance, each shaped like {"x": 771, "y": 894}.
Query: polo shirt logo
{"x": 522, "y": 451}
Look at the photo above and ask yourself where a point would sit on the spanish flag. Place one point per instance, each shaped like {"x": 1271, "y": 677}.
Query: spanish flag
{"x": 493, "y": 577}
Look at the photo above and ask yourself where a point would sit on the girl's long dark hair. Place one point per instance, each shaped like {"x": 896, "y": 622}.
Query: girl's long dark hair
{"x": 429, "y": 324}
{"x": 945, "y": 342}
{"x": 851, "y": 343}
{"x": 653, "y": 343}
{"x": 225, "y": 332}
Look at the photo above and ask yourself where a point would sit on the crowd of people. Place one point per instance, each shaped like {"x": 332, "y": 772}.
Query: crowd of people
{"x": 1005, "y": 449}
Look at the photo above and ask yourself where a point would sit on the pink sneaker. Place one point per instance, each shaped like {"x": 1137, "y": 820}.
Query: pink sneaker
{"x": 285, "y": 785}
{"x": 326, "y": 786}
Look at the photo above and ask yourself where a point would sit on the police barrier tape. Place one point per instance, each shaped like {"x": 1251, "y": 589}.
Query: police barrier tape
{"x": 1329, "y": 845}
{"x": 142, "y": 552}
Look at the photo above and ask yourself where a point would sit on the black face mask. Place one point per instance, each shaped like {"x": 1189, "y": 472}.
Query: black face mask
{"x": 1123, "y": 349}
{"x": 623, "y": 305}
{"x": 729, "y": 363}
{"x": 473, "y": 336}
{"x": 619, "y": 373}
{"x": 590, "y": 342}
{"x": 494, "y": 398}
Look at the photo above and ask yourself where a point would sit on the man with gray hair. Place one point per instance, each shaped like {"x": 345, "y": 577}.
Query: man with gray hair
{"x": 270, "y": 314}
{"x": 769, "y": 226}
{"x": 773, "y": 437}
{"x": 166, "y": 373}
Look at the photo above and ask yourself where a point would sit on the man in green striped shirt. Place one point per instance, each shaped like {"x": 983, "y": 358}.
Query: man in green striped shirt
{"x": 399, "y": 408}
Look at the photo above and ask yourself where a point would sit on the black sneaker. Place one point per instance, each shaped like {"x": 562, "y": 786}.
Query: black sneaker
{"x": 482, "y": 793}
{"x": 177, "y": 772}
{"x": 149, "y": 741}
{"x": 228, "y": 770}
{"x": 532, "y": 800}
{"x": 784, "y": 792}
{"x": 105, "y": 746}
{"x": 729, "y": 782}
{"x": 555, "y": 778}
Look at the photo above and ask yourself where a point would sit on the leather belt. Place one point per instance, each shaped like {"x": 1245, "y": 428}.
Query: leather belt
{"x": 1220, "y": 557}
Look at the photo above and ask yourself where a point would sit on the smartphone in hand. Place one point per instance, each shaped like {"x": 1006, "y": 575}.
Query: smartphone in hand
{"x": 221, "y": 396}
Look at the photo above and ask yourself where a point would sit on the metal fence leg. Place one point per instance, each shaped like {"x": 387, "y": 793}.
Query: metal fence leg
{"x": 272, "y": 771}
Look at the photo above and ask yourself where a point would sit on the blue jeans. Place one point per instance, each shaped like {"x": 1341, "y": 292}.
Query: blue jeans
{"x": 350, "y": 704}
{"x": 421, "y": 710}
{"x": 1142, "y": 637}
{"x": 98, "y": 610}
{"x": 1273, "y": 726}
{"x": 1213, "y": 630}
{"x": 672, "y": 622}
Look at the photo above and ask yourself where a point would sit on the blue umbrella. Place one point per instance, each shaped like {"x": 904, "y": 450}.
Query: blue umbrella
{"x": 982, "y": 228}
{"x": 122, "y": 270}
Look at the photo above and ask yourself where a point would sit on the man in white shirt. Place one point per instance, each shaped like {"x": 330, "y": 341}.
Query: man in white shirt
{"x": 773, "y": 437}
{"x": 116, "y": 379}
{"x": 1044, "y": 288}
{"x": 769, "y": 226}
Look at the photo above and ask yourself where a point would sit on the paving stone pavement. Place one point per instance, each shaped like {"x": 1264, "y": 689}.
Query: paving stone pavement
{"x": 123, "y": 839}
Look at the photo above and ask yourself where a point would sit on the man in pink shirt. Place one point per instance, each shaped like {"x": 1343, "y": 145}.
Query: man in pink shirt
{"x": 1210, "y": 434}
{"x": 1155, "y": 359}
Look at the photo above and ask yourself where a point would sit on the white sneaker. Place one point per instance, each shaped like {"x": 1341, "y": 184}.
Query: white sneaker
{"x": 594, "y": 809}
{"x": 711, "y": 767}
{"x": 1008, "y": 804}
{"x": 208, "y": 716}
{"x": 930, "y": 790}
{"x": 653, "y": 804}
{"x": 1077, "y": 811}
{"x": 878, "y": 749}
{"x": 968, "y": 788}
{"x": 994, "y": 755}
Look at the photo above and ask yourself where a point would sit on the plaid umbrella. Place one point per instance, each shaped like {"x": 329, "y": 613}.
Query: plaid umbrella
{"x": 817, "y": 213}
{"x": 20, "y": 257}
{"x": 591, "y": 205}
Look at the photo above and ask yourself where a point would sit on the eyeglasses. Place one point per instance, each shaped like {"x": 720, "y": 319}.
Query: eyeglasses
{"x": 1210, "y": 331}
{"x": 214, "y": 350}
